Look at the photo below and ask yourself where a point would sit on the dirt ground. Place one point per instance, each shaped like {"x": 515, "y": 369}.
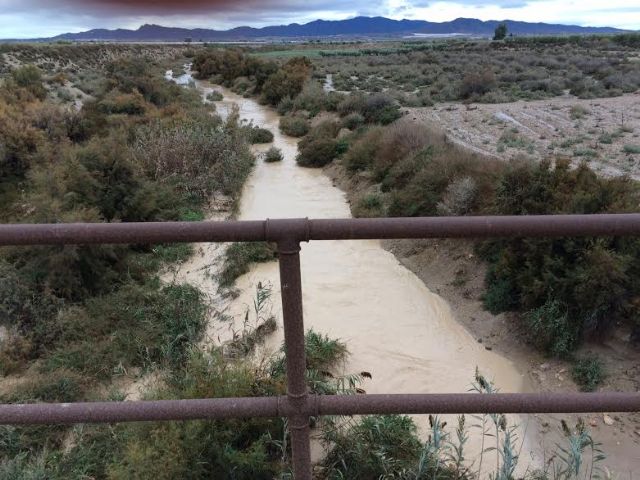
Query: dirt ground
{"x": 596, "y": 131}
{"x": 451, "y": 269}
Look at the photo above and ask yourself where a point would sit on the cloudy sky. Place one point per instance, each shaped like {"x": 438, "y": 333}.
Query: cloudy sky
{"x": 43, "y": 18}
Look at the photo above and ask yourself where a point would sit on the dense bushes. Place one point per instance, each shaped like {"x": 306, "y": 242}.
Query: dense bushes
{"x": 585, "y": 284}
{"x": 372, "y": 447}
{"x": 565, "y": 288}
{"x": 519, "y": 68}
{"x": 273, "y": 83}
{"x": 287, "y": 81}
{"x": 273, "y": 155}
{"x": 238, "y": 258}
{"x": 588, "y": 373}
{"x": 195, "y": 156}
{"x": 319, "y": 147}
{"x": 30, "y": 78}
{"x": 108, "y": 162}
{"x": 294, "y": 126}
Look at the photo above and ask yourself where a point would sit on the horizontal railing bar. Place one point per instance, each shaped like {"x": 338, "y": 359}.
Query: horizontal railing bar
{"x": 152, "y": 410}
{"x": 476, "y": 227}
{"x": 132, "y": 233}
{"x": 479, "y": 403}
{"x": 282, "y": 406}
{"x": 322, "y": 229}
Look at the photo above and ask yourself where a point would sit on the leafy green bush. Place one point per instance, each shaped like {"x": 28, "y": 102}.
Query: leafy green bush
{"x": 551, "y": 329}
{"x": 287, "y": 81}
{"x": 239, "y": 257}
{"x": 123, "y": 103}
{"x": 294, "y": 126}
{"x": 317, "y": 152}
{"x": 588, "y": 373}
{"x": 215, "y": 96}
{"x": 312, "y": 99}
{"x": 274, "y": 154}
{"x": 243, "y": 449}
{"x": 577, "y": 112}
{"x": 258, "y": 134}
{"x": 362, "y": 152}
{"x": 195, "y": 156}
{"x": 59, "y": 386}
{"x": 477, "y": 83}
{"x": 136, "y": 326}
{"x": 29, "y": 77}
{"x": 352, "y": 121}
{"x": 500, "y": 295}
{"x": 374, "y": 447}
{"x": 632, "y": 149}
{"x": 370, "y": 205}
{"x": 380, "y": 108}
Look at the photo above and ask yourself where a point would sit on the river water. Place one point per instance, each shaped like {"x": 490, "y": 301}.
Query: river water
{"x": 395, "y": 328}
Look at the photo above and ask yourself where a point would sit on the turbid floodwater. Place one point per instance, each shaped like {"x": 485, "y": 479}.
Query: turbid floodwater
{"x": 394, "y": 327}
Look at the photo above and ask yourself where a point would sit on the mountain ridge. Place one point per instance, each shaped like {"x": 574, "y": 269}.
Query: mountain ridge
{"x": 353, "y": 27}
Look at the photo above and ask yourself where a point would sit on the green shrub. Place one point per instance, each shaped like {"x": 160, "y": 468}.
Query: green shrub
{"x": 631, "y": 149}
{"x": 258, "y": 134}
{"x": 376, "y": 446}
{"x": 363, "y": 150}
{"x": 288, "y": 81}
{"x": 29, "y": 77}
{"x": 323, "y": 352}
{"x": 500, "y": 295}
{"x": 274, "y": 154}
{"x": 380, "y": 108}
{"x": 588, "y": 373}
{"x": 58, "y": 386}
{"x": 123, "y": 103}
{"x": 196, "y": 156}
{"x": 577, "y": 112}
{"x": 353, "y": 121}
{"x": 136, "y": 326}
{"x": 215, "y": 96}
{"x": 294, "y": 126}
{"x": 477, "y": 83}
{"x": 285, "y": 106}
{"x": 312, "y": 99}
{"x": 317, "y": 152}
{"x": 243, "y": 449}
{"x": 551, "y": 329}
{"x": 239, "y": 257}
{"x": 354, "y": 103}
{"x": 370, "y": 205}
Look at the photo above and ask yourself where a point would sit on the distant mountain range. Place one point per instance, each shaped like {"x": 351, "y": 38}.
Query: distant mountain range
{"x": 352, "y": 28}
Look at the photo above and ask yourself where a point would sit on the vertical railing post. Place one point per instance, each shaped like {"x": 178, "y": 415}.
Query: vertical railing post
{"x": 291, "y": 287}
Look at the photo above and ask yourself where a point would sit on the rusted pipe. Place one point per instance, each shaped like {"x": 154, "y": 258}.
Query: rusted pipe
{"x": 478, "y": 403}
{"x": 295, "y": 357}
{"x": 476, "y": 227}
{"x": 301, "y": 230}
{"x": 159, "y": 410}
{"x": 134, "y": 232}
{"x": 285, "y": 406}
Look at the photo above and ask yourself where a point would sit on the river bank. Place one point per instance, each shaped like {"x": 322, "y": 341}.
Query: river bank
{"x": 395, "y": 328}
{"x": 451, "y": 269}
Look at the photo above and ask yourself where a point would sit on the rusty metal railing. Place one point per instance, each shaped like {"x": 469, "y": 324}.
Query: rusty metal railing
{"x": 298, "y": 405}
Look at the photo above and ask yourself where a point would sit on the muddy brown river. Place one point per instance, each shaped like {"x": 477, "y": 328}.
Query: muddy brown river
{"x": 394, "y": 327}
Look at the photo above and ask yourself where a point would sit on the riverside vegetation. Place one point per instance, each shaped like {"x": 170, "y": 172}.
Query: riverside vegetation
{"x": 566, "y": 289}
{"x": 121, "y": 157}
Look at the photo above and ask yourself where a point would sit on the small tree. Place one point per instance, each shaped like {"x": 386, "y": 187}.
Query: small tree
{"x": 500, "y": 32}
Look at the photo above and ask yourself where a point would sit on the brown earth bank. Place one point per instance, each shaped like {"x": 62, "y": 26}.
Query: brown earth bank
{"x": 451, "y": 269}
